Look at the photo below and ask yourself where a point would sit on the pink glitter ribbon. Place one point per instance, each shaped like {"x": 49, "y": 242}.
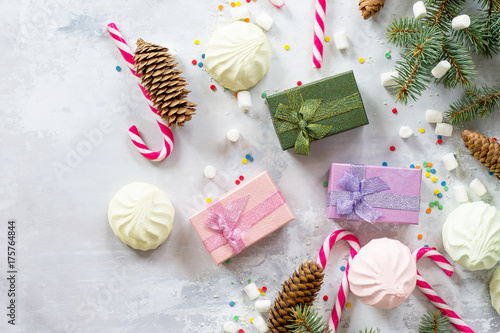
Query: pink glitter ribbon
{"x": 231, "y": 223}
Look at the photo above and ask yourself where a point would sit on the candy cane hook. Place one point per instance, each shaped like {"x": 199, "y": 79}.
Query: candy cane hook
{"x": 435, "y": 299}
{"x": 168, "y": 137}
{"x": 323, "y": 255}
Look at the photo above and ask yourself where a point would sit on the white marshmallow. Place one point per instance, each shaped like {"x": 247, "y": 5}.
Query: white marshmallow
{"x": 387, "y": 79}
{"x": 419, "y": 10}
{"x": 230, "y": 327}
{"x": 233, "y": 135}
{"x": 252, "y": 291}
{"x": 478, "y": 187}
{"x": 461, "y": 193}
{"x": 444, "y": 129}
{"x": 239, "y": 13}
{"x": 433, "y": 116}
{"x": 405, "y": 132}
{"x": 210, "y": 171}
{"x": 244, "y": 100}
{"x": 450, "y": 162}
{"x": 263, "y": 305}
{"x": 260, "y": 324}
{"x": 460, "y": 22}
{"x": 264, "y": 21}
{"x": 440, "y": 69}
{"x": 278, "y": 3}
{"x": 340, "y": 40}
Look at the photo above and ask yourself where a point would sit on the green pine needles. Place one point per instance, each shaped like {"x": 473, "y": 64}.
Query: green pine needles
{"x": 368, "y": 331}
{"x": 434, "y": 322}
{"x": 428, "y": 41}
{"x": 307, "y": 320}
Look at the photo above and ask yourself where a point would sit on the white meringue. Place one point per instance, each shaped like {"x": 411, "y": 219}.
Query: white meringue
{"x": 471, "y": 235}
{"x": 141, "y": 215}
{"x": 238, "y": 55}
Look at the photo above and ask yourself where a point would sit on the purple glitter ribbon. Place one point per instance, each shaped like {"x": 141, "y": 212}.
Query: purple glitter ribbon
{"x": 232, "y": 225}
{"x": 363, "y": 195}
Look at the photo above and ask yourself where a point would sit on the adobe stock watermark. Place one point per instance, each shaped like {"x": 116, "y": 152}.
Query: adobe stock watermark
{"x": 74, "y": 155}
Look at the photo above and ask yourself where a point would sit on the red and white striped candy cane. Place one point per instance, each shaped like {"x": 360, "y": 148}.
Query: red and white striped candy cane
{"x": 168, "y": 137}
{"x": 438, "y": 302}
{"x": 319, "y": 32}
{"x": 323, "y": 255}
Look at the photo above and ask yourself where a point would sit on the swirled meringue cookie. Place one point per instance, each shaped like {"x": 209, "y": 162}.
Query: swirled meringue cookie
{"x": 383, "y": 273}
{"x": 495, "y": 290}
{"x": 238, "y": 55}
{"x": 471, "y": 235}
{"x": 141, "y": 215}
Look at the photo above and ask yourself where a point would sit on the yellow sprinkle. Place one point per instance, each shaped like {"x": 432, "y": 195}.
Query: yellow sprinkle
{"x": 244, "y": 161}
{"x": 437, "y": 191}
{"x": 251, "y": 319}
{"x": 427, "y": 174}
{"x": 327, "y": 39}
{"x": 361, "y": 60}
{"x": 287, "y": 47}
{"x": 348, "y": 304}
{"x": 197, "y": 42}
{"x": 434, "y": 179}
{"x": 209, "y": 200}
{"x": 421, "y": 130}
{"x": 238, "y": 3}
{"x": 263, "y": 293}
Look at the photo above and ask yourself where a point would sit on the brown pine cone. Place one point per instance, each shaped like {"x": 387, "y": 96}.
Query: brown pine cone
{"x": 370, "y": 7}
{"x": 484, "y": 149}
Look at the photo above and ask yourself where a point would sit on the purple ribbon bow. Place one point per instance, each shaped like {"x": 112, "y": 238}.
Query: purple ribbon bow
{"x": 358, "y": 190}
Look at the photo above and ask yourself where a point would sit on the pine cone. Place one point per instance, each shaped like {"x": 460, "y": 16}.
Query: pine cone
{"x": 370, "y": 7}
{"x": 484, "y": 149}
{"x": 163, "y": 82}
{"x": 300, "y": 288}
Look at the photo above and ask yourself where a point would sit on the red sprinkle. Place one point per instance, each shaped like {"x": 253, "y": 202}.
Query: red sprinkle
{"x": 242, "y": 178}
{"x": 264, "y": 289}
{"x": 392, "y": 148}
{"x": 237, "y": 182}
{"x": 394, "y": 110}
{"x": 495, "y": 139}
{"x": 299, "y": 83}
{"x": 194, "y": 62}
{"x": 440, "y": 141}
{"x": 249, "y": 0}
{"x": 213, "y": 87}
{"x": 241, "y": 331}
{"x": 325, "y": 298}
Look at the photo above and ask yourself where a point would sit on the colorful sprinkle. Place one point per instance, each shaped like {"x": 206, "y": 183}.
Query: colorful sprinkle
{"x": 227, "y": 262}
{"x": 118, "y": 68}
{"x": 213, "y": 87}
{"x": 237, "y": 182}
{"x": 424, "y": 164}
{"x": 427, "y": 174}
{"x": 440, "y": 195}
{"x": 384, "y": 163}
{"x": 434, "y": 179}
{"x": 388, "y": 55}
{"x": 221, "y": 7}
{"x": 429, "y": 164}
{"x": 197, "y": 42}
{"x": 236, "y": 318}
{"x": 200, "y": 64}
{"x": 209, "y": 200}
{"x": 348, "y": 304}
{"x": 247, "y": 20}
{"x": 250, "y": 320}
{"x": 244, "y": 161}
{"x": 203, "y": 56}
{"x": 439, "y": 137}
{"x": 392, "y": 148}
{"x": 417, "y": 167}
{"x": 327, "y": 39}
{"x": 428, "y": 211}
{"x": 428, "y": 169}
{"x": 233, "y": 4}
{"x": 249, "y": 280}
{"x": 325, "y": 183}
{"x": 235, "y": 95}
{"x": 436, "y": 203}
{"x": 446, "y": 187}
{"x": 440, "y": 207}
{"x": 342, "y": 268}
{"x": 361, "y": 60}
{"x": 426, "y": 245}
{"x": 242, "y": 178}
{"x": 248, "y": 0}
{"x": 264, "y": 289}
{"x": 433, "y": 170}
{"x": 394, "y": 110}
{"x": 420, "y": 236}
{"x": 421, "y": 130}
{"x": 439, "y": 141}
{"x": 412, "y": 166}
{"x": 238, "y": 3}
{"x": 436, "y": 191}
{"x": 194, "y": 62}
{"x": 299, "y": 83}
{"x": 287, "y": 47}
{"x": 264, "y": 95}
{"x": 231, "y": 303}
{"x": 431, "y": 204}
{"x": 325, "y": 298}
{"x": 241, "y": 330}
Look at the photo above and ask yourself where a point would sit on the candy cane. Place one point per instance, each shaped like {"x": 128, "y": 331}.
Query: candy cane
{"x": 438, "y": 302}
{"x": 323, "y": 255}
{"x": 168, "y": 137}
{"x": 319, "y": 33}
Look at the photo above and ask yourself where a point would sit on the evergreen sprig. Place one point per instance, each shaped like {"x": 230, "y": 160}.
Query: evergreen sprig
{"x": 462, "y": 67}
{"x": 475, "y": 37}
{"x": 475, "y": 102}
{"x": 434, "y": 322}
{"x": 307, "y": 320}
{"x": 441, "y": 12}
{"x": 403, "y": 31}
{"x": 368, "y": 331}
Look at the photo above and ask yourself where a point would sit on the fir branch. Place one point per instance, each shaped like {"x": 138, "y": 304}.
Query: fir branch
{"x": 402, "y": 32}
{"x": 490, "y": 5}
{"x": 475, "y": 37}
{"x": 368, "y": 331}
{"x": 307, "y": 320}
{"x": 475, "y": 102}
{"x": 441, "y": 12}
{"x": 462, "y": 67}
{"x": 434, "y": 323}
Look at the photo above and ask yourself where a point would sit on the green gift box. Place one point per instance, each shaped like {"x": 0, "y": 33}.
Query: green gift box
{"x": 316, "y": 110}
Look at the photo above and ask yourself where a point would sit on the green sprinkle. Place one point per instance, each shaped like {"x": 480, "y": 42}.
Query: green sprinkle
{"x": 236, "y": 318}
{"x": 446, "y": 187}
{"x": 436, "y": 203}
{"x": 249, "y": 281}
{"x": 431, "y": 204}
{"x": 227, "y": 261}
{"x": 428, "y": 169}
{"x": 440, "y": 207}
{"x": 325, "y": 183}
{"x": 226, "y": 88}
{"x": 264, "y": 94}
{"x": 232, "y": 282}
{"x": 424, "y": 164}
{"x": 388, "y": 55}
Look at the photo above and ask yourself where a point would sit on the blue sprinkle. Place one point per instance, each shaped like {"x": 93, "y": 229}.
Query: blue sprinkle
{"x": 248, "y": 156}
{"x": 118, "y": 68}
{"x": 231, "y": 303}
{"x": 203, "y": 56}
{"x": 426, "y": 245}
{"x": 455, "y": 155}
{"x": 342, "y": 268}
{"x": 412, "y": 166}
{"x": 200, "y": 64}
{"x": 384, "y": 164}
{"x": 439, "y": 137}
{"x": 440, "y": 195}
{"x": 491, "y": 173}
{"x": 443, "y": 183}
{"x": 433, "y": 170}
{"x": 251, "y": 159}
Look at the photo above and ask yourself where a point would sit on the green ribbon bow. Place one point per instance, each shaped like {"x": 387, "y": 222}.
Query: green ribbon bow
{"x": 302, "y": 115}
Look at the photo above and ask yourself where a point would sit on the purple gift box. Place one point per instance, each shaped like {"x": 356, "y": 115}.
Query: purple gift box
{"x": 374, "y": 194}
